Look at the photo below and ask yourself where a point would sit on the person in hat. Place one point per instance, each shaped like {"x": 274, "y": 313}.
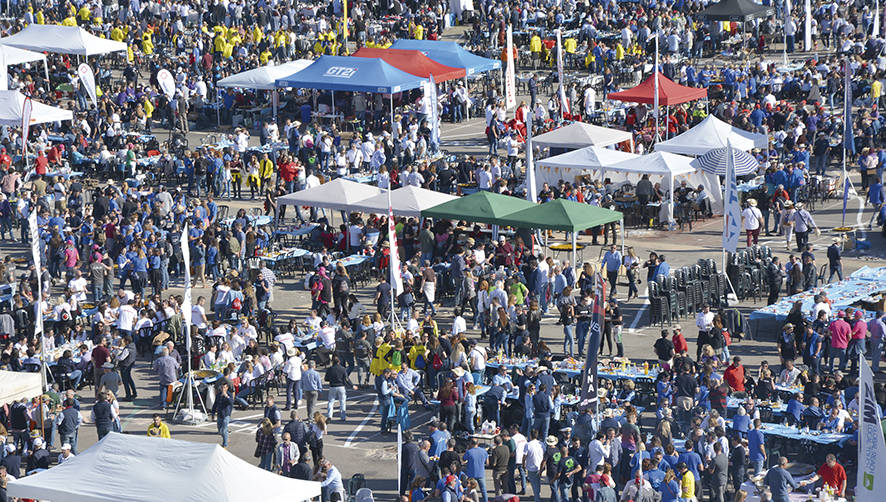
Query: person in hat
{"x": 110, "y": 380}
{"x": 835, "y": 259}
{"x": 65, "y": 454}
{"x": 752, "y": 219}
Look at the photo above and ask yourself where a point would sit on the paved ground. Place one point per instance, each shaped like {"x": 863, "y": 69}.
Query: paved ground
{"x": 356, "y": 446}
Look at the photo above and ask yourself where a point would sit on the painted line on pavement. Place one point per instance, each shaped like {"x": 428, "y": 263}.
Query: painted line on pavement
{"x": 365, "y": 421}
{"x": 639, "y": 315}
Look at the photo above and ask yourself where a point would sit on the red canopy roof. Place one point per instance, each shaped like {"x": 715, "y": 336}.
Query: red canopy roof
{"x": 413, "y": 62}
{"x": 669, "y": 92}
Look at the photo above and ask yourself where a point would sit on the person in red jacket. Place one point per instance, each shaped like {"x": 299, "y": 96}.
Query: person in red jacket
{"x": 735, "y": 375}
{"x": 41, "y": 163}
{"x": 680, "y": 345}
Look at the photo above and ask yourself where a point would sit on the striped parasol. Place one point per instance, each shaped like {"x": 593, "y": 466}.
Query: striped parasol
{"x": 714, "y": 161}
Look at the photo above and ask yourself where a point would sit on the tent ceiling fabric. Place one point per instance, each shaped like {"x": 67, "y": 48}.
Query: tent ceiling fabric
{"x": 14, "y": 55}
{"x": 736, "y": 10}
{"x": 657, "y": 163}
{"x": 338, "y": 194}
{"x": 11, "y": 103}
{"x": 714, "y": 161}
{"x": 159, "y": 469}
{"x": 412, "y": 62}
{"x": 712, "y": 133}
{"x": 62, "y": 40}
{"x": 479, "y": 207}
{"x": 669, "y": 92}
{"x": 405, "y": 201}
{"x": 263, "y": 78}
{"x": 580, "y": 135}
{"x": 561, "y": 214}
{"x": 587, "y": 158}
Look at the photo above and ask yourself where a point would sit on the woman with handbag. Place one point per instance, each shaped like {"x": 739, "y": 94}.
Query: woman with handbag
{"x": 266, "y": 443}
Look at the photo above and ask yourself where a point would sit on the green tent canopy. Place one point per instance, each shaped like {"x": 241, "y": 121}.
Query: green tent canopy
{"x": 561, "y": 214}
{"x": 479, "y": 207}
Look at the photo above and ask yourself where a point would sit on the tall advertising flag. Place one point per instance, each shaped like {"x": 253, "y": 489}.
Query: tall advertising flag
{"x": 845, "y": 198}
{"x": 4, "y": 75}
{"x": 186, "y": 303}
{"x": 564, "y": 103}
{"x": 732, "y": 221}
{"x": 87, "y": 80}
{"x": 531, "y": 188}
{"x": 396, "y": 278}
{"x": 807, "y": 28}
{"x": 589, "y": 383}
{"x": 848, "y": 134}
{"x": 167, "y": 83}
{"x": 875, "y": 32}
{"x": 435, "y": 115}
{"x": 27, "y": 109}
{"x": 871, "y": 445}
{"x": 655, "y": 103}
{"x": 35, "y": 256}
{"x": 510, "y": 73}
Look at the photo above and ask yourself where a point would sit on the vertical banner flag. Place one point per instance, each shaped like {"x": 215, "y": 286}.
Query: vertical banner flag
{"x": 394, "y": 262}
{"x": 435, "y": 115}
{"x": 4, "y": 76}
{"x": 871, "y": 445}
{"x": 848, "y": 134}
{"x": 589, "y": 372}
{"x": 564, "y": 104}
{"x": 655, "y": 103}
{"x": 27, "y": 108}
{"x": 785, "y": 22}
{"x": 845, "y": 198}
{"x": 732, "y": 221}
{"x": 510, "y": 73}
{"x": 807, "y": 28}
{"x": 34, "y": 232}
{"x": 399, "y": 457}
{"x": 875, "y": 32}
{"x": 186, "y": 303}
{"x": 87, "y": 80}
{"x": 167, "y": 83}
{"x": 531, "y": 189}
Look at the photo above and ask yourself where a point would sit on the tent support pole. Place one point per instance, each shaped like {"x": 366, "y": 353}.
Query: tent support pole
{"x": 621, "y": 225}
{"x": 667, "y": 120}
{"x": 671, "y": 203}
{"x": 468, "y": 102}
{"x": 574, "y": 245}
{"x": 392, "y": 117}
{"x": 274, "y": 101}
{"x": 333, "y": 106}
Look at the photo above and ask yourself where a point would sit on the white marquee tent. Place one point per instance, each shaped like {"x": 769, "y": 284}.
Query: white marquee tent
{"x": 14, "y": 55}
{"x": 62, "y": 40}
{"x": 15, "y": 385}
{"x": 263, "y": 78}
{"x": 144, "y": 469}
{"x": 580, "y": 135}
{"x": 405, "y": 201}
{"x": 11, "y": 103}
{"x": 338, "y": 194}
{"x": 672, "y": 169}
{"x": 569, "y": 165}
{"x": 709, "y": 134}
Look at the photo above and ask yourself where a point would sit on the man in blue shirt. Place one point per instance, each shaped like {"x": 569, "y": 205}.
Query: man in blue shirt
{"x": 875, "y": 199}
{"x": 778, "y": 479}
{"x": 476, "y": 459}
{"x": 612, "y": 261}
{"x": 693, "y": 462}
{"x": 756, "y": 447}
{"x": 439, "y": 437}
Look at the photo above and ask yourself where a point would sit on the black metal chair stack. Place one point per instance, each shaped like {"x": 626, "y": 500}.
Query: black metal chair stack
{"x": 659, "y": 307}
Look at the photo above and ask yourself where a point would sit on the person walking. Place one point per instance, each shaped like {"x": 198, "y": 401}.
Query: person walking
{"x": 266, "y": 443}
{"x": 103, "y": 415}
{"x": 221, "y": 411}
{"x": 125, "y": 361}
{"x": 835, "y": 262}
{"x": 337, "y": 378}
{"x": 752, "y": 219}
{"x": 311, "y": 386}
{"x": 67, "y": 423}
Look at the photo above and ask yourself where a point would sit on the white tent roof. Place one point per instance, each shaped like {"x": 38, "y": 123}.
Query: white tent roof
{"x": 338, "y": 194}
{"x": 263, "y": 78}
{"x": 658, "y": 163}
{"x": 14, "y": 55}
{"x": 580, "y": 135}
{"x": 712, "y": 133}
{"x": 405, "y": 201}
{"x": 11, "y": 103}
{"x": 568, "y": 165}
{"x": 159, "y": 469}
{"x": 62, "y": 40}
{"x": 15, "y": 385}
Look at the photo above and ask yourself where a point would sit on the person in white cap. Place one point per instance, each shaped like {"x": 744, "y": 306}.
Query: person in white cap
{"x": 39, "y": 459}
{"x": 65, "y": 454}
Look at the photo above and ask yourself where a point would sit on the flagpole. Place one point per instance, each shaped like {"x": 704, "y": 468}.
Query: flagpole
{"x": 655, "y": 103}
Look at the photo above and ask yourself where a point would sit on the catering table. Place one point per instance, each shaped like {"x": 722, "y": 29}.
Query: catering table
{"x": 283, "y": 254}
{"x": 778, "y": 408}
{"x": 255, "y": 220}
{"x": 353, "y": 260}
{"x": 65, "y": 175}
{"x": 797, "y": 434}
{"x": 298, "y": 231}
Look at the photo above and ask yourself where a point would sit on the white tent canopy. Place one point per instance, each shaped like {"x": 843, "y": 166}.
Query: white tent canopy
{"x": 11, "y": 103}
{"x": 709, "y": 134}
{"x": 673, "y": 169}
{"x": 569, "y": 165}
{"x": 143, "y": 469}
{"x": 15, "y": 385}
{"x": 405, "y": 201}
{"x": 62, "y": 40}
{"x": 338, "y": 194}
{"x": 14, "y": 55}
{"x": 580, "y": 135}
{"x": 263, "y": 78}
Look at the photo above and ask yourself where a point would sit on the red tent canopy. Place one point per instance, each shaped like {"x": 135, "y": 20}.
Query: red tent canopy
{"x": 669, "y": 92}
{"x": 413, "y": 62}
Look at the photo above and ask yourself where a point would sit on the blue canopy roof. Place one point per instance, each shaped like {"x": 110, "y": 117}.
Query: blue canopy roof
{"x": 343, "y": 73}
{"x": 450, "y": 54}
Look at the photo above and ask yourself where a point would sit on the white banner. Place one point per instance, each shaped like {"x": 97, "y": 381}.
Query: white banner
{"x": 4, "y": 75}
{"x": 807, "y": 28}
{"x": 510, "y": 73}
{"x": 731, "y": 211}
{"x": 531, "y": 188}
{"x": 394, "y": 262}
{"x": 87, "y": 80}
{"x": 27, "y": 109}
{"x": 875, "y": 32}
{"x": 871, "y": 445}
{"x": 564, "y": 103}
{"x": 435, "y": 115}
{"x": 655, "y": 86}
{"x": 34, "y": 232}
{"x": 167, "y": 83}
{"x": 186, "y": 302}
{"x": 399, "y": 458}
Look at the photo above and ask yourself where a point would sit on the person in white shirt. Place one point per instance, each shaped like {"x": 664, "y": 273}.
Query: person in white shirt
{"x": 246, "y": 330}
{"x": 292, "y": 370}
{"x": 285, "y": 339}
{"x": 752, "y": 217}
{"x": 459, "y": 325}
{"x": 198, "y": 314}
{"x": 126, "y": 317}
{"x": 225, "y": 356}
{"x": 77, "y": 285}
{"x": 598, "y": 451}
{"x": 209, "y": 358}
{"x": 533, "y": 456}
{"x": 477, "y": 357}
{"x": 327, "y": 335}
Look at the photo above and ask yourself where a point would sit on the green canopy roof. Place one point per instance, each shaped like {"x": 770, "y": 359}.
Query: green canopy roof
{"x": 479, "y": 207}
{"x": 561, "y": 214}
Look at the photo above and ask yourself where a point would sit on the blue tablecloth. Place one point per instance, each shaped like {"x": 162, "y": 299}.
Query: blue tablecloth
{"x": 790, "y": 432}
{"x": 748, "y": 186}
{"x": 733, "y": 403}
{"x": 870, "y": 274}
{"x": 72, "y": 174}
{"x": 285, "y": 254}
{"x": 297, "y": 232}
{"x": 255, "y": 220}
{"x": 354, "y": 259}
{"x": 363, "y": 178}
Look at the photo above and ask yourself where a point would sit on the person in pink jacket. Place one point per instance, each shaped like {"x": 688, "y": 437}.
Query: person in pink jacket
{"x": 840, "y": 333}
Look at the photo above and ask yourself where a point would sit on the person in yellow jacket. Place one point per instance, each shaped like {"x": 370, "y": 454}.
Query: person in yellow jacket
{"x": 69, "y": 21}
{"x": 117, "y": 34}
{"x": 429, "y": 326}
{"x": 418, "y": 349}
{"x": 264, "y": 57}
{"x": 39, "y": 17}
{"x": 147, "y": 44}
{"x": 219, "y": 43}
{"x": 569, "y": 45}
{"x": 380, "y": 362}
{"x": 619, "y": 52}
{"x": 84, "y": 14}
{"x": 149, "y": 111}
{"x": 229, "y": 49}
{"x": 130, "y": 54}
{"x": 265, "y": 171}
{"x": 257, "y": 35}
{"x": 419, "y": 32}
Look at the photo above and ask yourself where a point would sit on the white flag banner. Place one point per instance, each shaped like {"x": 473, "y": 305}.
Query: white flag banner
{"x": 27, "y": 109}
{"x": 807, "y": 27}
{"x": 87, "y": 80}
{"x": 564, "y": 103}
{"x": 875, "y": 32}
{"x": 655, "y": 85}
{"x": 34, "y": 232}
{"x": 531, "y": 188}
{"x": 4, "y": 75}
{"x": 510, "y": 73}
{"x": 732, "y": 220}
{"x": 871, "y": 445}
{"x": 167, "y": 83}
{"x": 186, "y": 302}
{"x": 394, "y": 262}
{"x": 435, "y": 114}
{"x": 399, "y": 456}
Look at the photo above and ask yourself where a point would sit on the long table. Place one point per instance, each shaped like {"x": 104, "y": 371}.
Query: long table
{"x": 795, "y": 433}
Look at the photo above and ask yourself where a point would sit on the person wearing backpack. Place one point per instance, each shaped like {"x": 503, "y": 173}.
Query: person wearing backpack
{"x": 362, "y": 352}
{"x": 341, "y": 289}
